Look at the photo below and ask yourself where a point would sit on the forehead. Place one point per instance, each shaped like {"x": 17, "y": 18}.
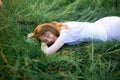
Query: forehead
{"x": 46, "y": 33}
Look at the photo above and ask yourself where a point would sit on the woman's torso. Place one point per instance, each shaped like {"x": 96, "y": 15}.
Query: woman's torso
{"x": 85, "y": 31}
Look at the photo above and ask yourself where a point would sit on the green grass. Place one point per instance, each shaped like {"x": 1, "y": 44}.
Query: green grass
{"x": 21, "y": 59}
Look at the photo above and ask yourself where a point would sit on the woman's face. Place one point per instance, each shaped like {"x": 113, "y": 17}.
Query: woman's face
{"x": 48, "y": 38}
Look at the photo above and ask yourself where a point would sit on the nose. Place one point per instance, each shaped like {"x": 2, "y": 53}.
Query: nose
{"x": 48, "y": 40}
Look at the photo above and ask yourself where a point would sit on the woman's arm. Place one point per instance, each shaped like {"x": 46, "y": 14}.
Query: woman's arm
{"x": 30, "y": 35}
{"x": 52, "y": 49}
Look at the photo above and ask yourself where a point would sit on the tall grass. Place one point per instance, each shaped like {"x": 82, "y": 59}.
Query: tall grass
{"x": 22, "y": 59}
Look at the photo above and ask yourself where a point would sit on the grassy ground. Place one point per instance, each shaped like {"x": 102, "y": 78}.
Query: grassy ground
{"x": 23, "y": 60}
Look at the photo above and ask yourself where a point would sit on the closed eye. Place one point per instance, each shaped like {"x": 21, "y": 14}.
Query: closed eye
{"x": 47, "y": 35}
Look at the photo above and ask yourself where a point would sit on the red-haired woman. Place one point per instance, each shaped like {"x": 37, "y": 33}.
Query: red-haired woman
{"x": 54, "y": 35}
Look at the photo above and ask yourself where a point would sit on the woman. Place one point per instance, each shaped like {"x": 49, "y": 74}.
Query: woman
{"x": 54, "y": 35}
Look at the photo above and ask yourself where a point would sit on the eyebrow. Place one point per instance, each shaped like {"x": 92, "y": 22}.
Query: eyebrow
{"x": 46, "y": 34}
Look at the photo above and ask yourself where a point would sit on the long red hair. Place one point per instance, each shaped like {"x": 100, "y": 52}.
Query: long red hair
{"x": 53, "y": 27}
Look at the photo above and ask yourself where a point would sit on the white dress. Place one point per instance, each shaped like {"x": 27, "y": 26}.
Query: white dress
{"x": 105, "y": 29}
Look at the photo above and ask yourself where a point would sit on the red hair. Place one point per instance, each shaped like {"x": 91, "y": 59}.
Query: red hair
{"x": 53, "y": 27}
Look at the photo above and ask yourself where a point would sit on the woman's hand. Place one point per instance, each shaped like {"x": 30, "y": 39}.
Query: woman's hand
{"x": 30, "y": 35}
{"x": 43, "y": 46}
